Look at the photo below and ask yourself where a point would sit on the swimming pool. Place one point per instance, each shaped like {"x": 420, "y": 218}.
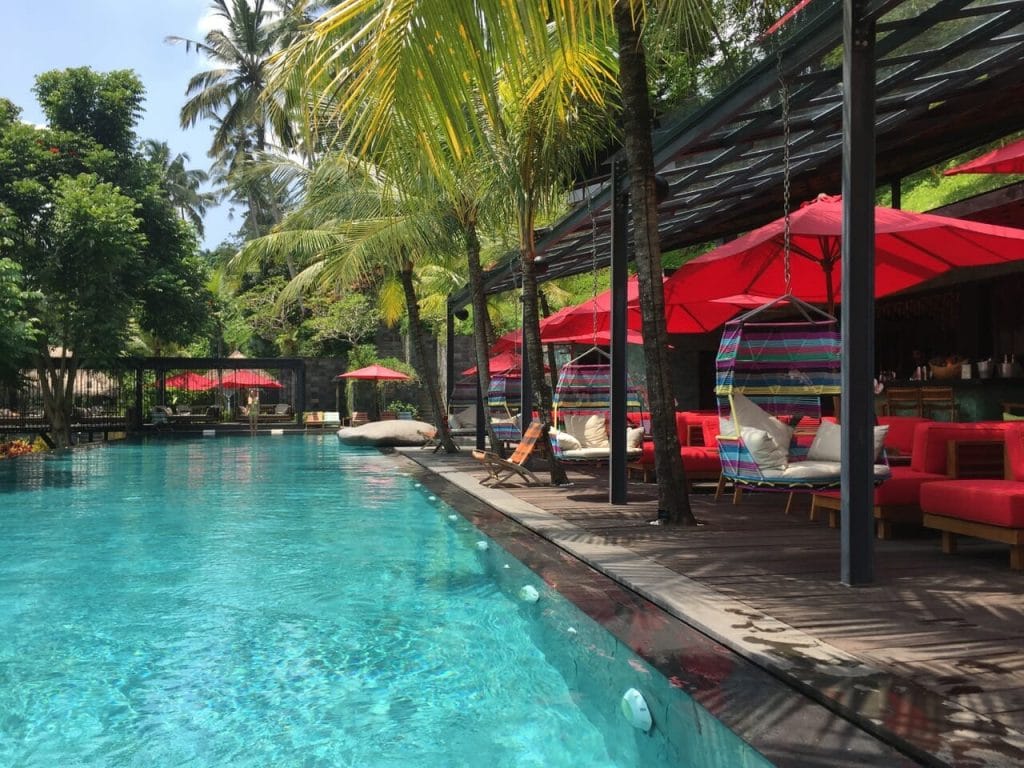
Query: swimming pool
{"x": 286, "y": 602}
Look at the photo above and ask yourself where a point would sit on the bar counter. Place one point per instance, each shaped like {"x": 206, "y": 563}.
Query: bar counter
{"x": 976, "y": 399}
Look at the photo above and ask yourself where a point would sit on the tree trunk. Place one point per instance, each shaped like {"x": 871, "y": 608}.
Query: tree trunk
{"x": 425, "y": 363}
{"x": 673, "y": 501}
{"x": 532, "y": 356}
{"x": 57, "y": 384}
{"x": 480, "y": 321}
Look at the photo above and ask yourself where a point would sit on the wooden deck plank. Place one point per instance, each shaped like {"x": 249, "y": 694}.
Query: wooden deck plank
{"x": 952, "y": 624}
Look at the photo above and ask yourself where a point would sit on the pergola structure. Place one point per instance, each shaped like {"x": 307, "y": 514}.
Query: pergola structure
{"x": 948, "y": 79}
{"x": 877, "y": 90}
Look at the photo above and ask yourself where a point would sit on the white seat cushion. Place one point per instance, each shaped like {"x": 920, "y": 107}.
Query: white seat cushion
{"x": 813, "y": 471}
{"x": 597, "y": 453}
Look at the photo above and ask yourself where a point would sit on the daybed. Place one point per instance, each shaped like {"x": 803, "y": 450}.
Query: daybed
{"x": 986, "y": 509}
{"x": 700, "y": 456}
{"x": 931, "y": 460}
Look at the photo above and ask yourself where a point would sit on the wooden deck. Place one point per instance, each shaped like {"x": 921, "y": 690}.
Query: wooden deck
{"x": 935, "y": 646}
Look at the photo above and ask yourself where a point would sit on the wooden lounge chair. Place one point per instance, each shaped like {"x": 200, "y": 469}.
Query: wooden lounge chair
{"x": 499, "y": 469}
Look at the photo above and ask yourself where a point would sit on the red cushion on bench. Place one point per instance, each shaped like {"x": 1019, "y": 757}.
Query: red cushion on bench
{"x": 931, "y": 439}
{"x": 996, "y": 502}
{"x": 903, "y": 488}
{"x": 900, "y": 437}
{"x": 697, "y": 458}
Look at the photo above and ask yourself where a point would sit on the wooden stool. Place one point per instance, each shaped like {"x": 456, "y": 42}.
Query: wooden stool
{"x": 906, "y": 399}
{"x": 938, "y": 400}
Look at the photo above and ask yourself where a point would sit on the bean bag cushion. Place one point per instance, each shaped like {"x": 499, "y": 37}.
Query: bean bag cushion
{"x": 996, "y": 502}
{"x": 386, "y": 434}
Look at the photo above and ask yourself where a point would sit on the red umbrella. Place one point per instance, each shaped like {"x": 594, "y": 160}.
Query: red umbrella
{"x": 910, "y": 248}
{"x": 503, "y": 363}
{"x": 189, "y": 381}
{"x": 1009, "y": 159}
{"x": 375, "y": 373}
{"x": 245, "y": 379}
{"x": 577, "y": 324}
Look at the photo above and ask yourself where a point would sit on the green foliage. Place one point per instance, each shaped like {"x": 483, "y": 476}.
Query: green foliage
{"x": 18, "y": 329}
{"x": 400, "y": 406}
{"x": 104, "y": 107}
{"x": 89, "y": 220}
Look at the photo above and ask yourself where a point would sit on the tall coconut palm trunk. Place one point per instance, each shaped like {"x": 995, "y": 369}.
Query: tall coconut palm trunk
{"x": 532, "y": 357}
{"x": 425, "y": 362}
{"x": 481, "y": 334}
{"x": 673, "y": 501}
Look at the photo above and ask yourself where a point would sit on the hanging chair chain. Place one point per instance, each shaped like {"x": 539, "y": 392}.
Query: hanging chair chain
{"x": 786, "y": 234}
{"x": 593, "y": 266}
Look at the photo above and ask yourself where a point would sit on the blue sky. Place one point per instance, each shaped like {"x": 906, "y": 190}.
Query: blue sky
{"x": 108, "y": 35}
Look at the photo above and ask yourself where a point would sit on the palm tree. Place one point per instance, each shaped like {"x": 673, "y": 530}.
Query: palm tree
{"x": 233, "y": 92}
{"x": 528, "y": 145}
{"x": 356, "y": 223}
{"x": 182, "y": 185}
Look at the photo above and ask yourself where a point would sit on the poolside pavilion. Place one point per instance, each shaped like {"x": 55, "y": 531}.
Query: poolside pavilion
{"x": 916, "y": 88}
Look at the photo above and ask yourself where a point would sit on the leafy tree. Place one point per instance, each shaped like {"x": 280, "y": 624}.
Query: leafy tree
{"x": 96, "y": 236}
{"x": 18, "y": 337}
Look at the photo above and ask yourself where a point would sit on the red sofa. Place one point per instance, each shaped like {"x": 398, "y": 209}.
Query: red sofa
{"x": 701, "y": 462}
{"x": 898, "y": 499}
{"x": 986, "y": 509}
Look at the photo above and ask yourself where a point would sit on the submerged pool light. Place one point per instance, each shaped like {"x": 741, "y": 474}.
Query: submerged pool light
{"x": 635, "y": 710}
{"x": 529, "y": 594}
{"x": 482, "y": 545}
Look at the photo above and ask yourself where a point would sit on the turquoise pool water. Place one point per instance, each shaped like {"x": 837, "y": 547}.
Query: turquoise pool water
{"x": 286, "y": 602}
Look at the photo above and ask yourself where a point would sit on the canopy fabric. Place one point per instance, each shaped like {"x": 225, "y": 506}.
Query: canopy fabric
{"x": 1008, "y": 159}
{"x": 242, "y": 379}
{"x": 375, "y": 373}
{"x": 189, "y": 380}
{"x": 910, "y": 248}
{"x": 503, "y": 363}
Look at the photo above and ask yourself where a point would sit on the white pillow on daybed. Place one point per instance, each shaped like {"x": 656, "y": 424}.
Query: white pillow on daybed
{"x": 747, "y": 413}
{"x": 565, "y": 441}
{"x": 765, "y": 452}
{"x": 828, "y": 439}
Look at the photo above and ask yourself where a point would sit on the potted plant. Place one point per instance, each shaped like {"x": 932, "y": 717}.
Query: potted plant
{"x": 403, "y": 410}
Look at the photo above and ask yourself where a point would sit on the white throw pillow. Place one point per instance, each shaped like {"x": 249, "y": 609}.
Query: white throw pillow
{"x": 575, "y": 425}
{"x": 594, "y": 433}
{"x": 634, "y": 437}
{"x": 765, "y": 452}
{"x": 565, "y": 441}
{"x": 747, "y": 413}
{"x": 726, "y": 426}
{"x": 827, "y": 443}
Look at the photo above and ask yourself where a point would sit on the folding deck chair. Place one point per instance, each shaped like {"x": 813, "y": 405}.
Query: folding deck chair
{"x": 499, "y": 469}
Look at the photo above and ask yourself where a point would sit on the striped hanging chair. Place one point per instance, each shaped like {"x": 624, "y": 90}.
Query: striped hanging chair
{"x": 784, "y": 368}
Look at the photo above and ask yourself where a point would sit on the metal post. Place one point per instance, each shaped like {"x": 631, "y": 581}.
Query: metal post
{"x": 858, "y": 302}
{"x": 896, "y": 186}
{"x": 617, "y": 473}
